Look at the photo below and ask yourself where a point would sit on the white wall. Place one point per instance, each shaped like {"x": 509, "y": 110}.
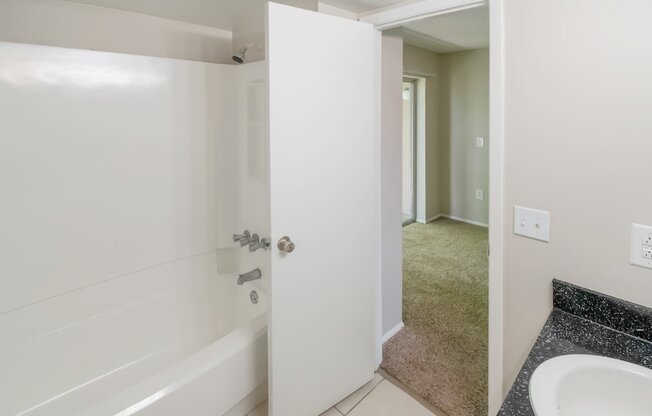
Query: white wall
{"x": 452, "y": 109}
{"x": 74, "y": 25}
{"x": 391, "y": 237}
{"x": 578, "y": 99}
{"x": 249, "y": 25}
{"x": 464, "y": 115}
{"x": 335, "y": 11}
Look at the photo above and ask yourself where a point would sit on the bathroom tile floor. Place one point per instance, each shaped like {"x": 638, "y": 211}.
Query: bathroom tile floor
{"x": 379, "y": 397}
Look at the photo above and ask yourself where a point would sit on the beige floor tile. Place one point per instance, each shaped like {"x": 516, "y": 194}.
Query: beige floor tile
{"x": 260, "y": 410}
{"x": 388, "y": 400}
{"x": 349, "y": 403}
{"x": 331, "y": 412}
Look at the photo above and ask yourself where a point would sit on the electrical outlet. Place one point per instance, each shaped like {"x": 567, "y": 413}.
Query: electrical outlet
{"x": 647, "y": 253}
{"x": 647, "y": 240}
{"x": 479, "y": 194}
{"x": 641, "y": 246}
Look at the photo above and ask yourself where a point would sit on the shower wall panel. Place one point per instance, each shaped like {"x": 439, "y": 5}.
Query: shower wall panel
{"x": 116, "y": 197}
{"x": 108, "y": 165}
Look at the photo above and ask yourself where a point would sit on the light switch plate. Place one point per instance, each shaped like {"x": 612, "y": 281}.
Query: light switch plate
{"x": 479, "y": 141}
{"x": 532, "y": 223}
{"x": 640, "y": 245}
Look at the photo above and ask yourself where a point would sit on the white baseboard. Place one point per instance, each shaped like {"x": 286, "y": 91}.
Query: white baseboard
{"x": 451, "y": 217}
{"x": 481, "y": 224}
{"x": 436, "y": 217}
{"x": 392, "y": 332}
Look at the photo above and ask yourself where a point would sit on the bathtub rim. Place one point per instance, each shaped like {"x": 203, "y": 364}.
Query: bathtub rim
{"x": 168, "y": 381}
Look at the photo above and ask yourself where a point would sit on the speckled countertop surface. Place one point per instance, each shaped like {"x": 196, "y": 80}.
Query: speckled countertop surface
{"x": 584, "y": 322}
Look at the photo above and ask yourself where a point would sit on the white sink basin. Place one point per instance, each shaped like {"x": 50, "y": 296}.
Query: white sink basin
{"x": 588, "y": 385}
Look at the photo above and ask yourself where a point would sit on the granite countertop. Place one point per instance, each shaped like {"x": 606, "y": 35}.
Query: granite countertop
{"x": 584, "y": 322}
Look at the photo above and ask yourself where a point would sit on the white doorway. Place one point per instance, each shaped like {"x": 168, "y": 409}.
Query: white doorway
{"x": 397, "y": 17}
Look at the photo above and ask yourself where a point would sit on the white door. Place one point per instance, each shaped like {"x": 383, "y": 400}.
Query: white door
{"x": 324, "y": 184}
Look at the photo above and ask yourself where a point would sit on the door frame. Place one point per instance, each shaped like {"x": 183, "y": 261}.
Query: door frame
{"x": 392, "y": 17}
{"x": 413, "y": 111}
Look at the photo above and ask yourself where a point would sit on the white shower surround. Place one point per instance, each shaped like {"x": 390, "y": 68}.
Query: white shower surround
{"x": 123, "y": 179}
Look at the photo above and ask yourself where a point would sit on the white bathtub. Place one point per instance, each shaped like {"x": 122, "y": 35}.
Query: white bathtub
{"x": 228, "y": 377}
{"x": 175, "y": 339}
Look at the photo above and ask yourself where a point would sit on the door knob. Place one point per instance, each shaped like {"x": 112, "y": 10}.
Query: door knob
{"x": 285, "y": 244}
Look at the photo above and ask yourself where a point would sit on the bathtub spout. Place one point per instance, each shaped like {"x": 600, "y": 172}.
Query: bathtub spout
{"x": 255, "y": 274}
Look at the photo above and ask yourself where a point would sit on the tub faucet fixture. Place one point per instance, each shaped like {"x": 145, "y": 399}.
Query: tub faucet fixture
{"x": 249, "y": 276}
{"x": 256, "y": 242}
{"x": 244, "y": 238}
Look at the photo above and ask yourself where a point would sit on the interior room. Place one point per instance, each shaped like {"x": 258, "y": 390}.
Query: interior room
{"x": 440, "y": 351}
{"x": 202, "y": 208}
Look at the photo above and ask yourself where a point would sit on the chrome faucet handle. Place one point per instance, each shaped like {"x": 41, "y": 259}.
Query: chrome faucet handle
{"x": 257, "y": 243}
{"x": 242, "y": 238}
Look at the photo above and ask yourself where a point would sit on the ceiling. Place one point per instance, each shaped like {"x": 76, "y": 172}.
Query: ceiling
{"x": 360, "y": 6}
{"x": 214, "y": 13}
{"x": 466, "y": 29}
{"x": 222, "y": 14}
{"x": 462, "y": 30}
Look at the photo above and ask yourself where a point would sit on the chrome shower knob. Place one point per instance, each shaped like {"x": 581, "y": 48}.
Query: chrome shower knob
{"x": 242, "y": 238}
{"x": 256, "y": 243}
{"x": 285, "y": 244}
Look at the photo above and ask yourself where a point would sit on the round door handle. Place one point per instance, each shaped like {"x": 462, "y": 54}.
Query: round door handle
{"x": 285, "y": 244}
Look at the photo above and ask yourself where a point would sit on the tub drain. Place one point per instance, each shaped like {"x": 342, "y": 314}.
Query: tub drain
{"x": 254, "y": 297}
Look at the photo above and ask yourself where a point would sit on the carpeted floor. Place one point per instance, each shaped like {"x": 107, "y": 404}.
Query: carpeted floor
{"x": 441, "y": 353}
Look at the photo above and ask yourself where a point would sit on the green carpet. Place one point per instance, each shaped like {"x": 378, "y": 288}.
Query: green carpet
{"x": 441, "y": 353}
